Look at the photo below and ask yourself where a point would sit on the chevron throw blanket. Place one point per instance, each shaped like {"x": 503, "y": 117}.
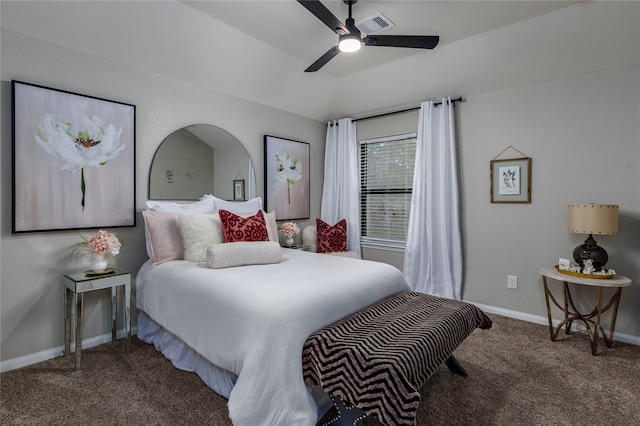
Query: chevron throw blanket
{"x": 379, "y": 357}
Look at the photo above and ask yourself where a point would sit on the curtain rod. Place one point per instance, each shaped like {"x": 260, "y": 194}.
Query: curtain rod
{"x": 401, "y": 111}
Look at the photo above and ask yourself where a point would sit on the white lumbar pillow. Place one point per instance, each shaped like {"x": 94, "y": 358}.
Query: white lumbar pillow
{"x": 243, "y": 253}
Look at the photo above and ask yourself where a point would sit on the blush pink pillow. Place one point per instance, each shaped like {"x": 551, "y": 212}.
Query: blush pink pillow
{"x": 237, "y": 228}
{"x": 164, "y": 236}
{"x": 331, "y": 239}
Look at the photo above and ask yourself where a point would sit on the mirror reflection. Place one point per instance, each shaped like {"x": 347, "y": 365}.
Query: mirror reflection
{"x": 200, "y": 159}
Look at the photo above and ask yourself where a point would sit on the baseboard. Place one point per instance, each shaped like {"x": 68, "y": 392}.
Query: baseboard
{"x": 23, "y": 361}
{"x": 543, "y": 320}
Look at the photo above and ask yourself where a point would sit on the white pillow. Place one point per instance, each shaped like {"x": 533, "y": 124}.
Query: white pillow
{"x": 243, "y": 253}
{"x": 199, "y": 231}
{"x": 310, "y": 236}
{"x": 205, "y": 205}
{"x": 236, "y": 207}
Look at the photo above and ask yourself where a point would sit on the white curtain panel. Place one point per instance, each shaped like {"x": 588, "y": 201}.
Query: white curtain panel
{"x": 433, "y": 256}
{"x": 340, "y": 193}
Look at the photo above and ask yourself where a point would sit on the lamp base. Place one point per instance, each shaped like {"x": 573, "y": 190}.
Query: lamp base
{"x": 591, "y": 250}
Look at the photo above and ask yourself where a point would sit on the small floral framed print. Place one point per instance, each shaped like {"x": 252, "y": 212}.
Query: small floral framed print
{"x": 238, "y": 190}
{"x": 286, "y": 178}
{"x": 73, "y": 160}
{"x": 511, "y": 180}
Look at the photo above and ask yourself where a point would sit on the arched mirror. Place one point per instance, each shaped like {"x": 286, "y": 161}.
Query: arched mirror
{"x": 201, "y": 159}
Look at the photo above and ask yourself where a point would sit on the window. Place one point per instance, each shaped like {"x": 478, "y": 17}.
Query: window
{"x": 386, "y": 180}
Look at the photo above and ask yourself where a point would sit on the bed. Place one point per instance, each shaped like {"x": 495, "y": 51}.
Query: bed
{"x": 242, "y": 329}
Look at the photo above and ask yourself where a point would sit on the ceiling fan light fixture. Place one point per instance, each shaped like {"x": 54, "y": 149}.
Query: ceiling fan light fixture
{"x": 350, "y": 36}
{"x": 350, "y": 43}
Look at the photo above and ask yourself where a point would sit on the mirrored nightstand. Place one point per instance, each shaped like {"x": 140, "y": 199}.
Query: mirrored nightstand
{"x": 75, "y": 284}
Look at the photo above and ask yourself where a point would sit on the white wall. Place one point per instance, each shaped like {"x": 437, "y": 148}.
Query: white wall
{"x": 32, "y": 264}
{"x": 583, "y": 137}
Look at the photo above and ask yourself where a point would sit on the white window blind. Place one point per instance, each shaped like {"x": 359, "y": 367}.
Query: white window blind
{"x": 386, "y": 180}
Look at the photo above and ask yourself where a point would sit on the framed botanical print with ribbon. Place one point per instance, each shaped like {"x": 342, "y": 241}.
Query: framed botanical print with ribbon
{"x": 510, "y": 179}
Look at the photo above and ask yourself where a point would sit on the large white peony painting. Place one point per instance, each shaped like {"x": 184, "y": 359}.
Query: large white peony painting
{"x": 287, "y": 178}
{"x": 73, "y": 160}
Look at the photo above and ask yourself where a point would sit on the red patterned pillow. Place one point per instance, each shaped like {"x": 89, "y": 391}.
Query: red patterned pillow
{"x": 331, "y": 239}
{"x": 237, "y": 228}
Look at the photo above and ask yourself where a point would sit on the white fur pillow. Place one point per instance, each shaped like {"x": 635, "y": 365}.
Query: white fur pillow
{"x": 243, "y": 253}
{"x": 199, "y": 231}
{"x": 309, "y": 237}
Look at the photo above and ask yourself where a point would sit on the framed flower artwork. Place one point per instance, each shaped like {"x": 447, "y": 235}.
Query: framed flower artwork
{"x": 286, "y": 180}
{"x": 73, "y": 160}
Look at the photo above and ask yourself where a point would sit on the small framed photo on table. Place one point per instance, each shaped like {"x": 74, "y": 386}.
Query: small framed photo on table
{"x": 238, "y": 190}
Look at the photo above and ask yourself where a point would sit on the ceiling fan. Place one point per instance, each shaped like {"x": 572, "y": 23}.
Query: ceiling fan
{"x": 350, "y": 38}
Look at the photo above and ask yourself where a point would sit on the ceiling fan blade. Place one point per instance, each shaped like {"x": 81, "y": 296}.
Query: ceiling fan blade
{"x": 416, "y": 42}
{"x": 323, "y": 59}
{"x": 323, "y": 14}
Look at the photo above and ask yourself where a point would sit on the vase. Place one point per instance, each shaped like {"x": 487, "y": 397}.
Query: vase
{"x": 288, "y": 241}
{"x": 98, "y": 262}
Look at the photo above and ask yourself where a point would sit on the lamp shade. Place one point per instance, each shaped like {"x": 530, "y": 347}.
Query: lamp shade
{"x": 593, "y": 219}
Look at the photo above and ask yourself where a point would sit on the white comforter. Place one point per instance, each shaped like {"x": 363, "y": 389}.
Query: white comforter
{"x": 253, "y": 321}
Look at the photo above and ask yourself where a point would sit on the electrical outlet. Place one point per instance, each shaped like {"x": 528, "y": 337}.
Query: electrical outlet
{"x": 512, "y": 282}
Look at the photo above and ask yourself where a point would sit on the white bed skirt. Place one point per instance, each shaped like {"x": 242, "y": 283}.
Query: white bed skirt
{"x": 184, "y": 357}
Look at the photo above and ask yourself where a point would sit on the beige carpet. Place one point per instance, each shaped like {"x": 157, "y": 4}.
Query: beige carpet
{"x": 517, "y": 376}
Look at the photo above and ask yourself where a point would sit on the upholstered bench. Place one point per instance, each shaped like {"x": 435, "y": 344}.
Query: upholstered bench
{"x": 379, "y": 357}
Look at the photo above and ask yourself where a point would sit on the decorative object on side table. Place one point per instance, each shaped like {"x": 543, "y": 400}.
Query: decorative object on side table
{"x": 592, "y": 219}
{"x": 564, "y": 266}
{"x": 289, "y": 230}
{"x": 98, "y": 246}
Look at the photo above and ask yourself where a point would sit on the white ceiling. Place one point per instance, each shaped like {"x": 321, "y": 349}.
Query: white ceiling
{"x": 258, "y": 50}
{"x": 289, "y": 27}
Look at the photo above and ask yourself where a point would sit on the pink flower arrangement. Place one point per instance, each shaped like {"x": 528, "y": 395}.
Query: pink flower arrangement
{"x": 102, "y": 242}
{"x": 289, "y": 229}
